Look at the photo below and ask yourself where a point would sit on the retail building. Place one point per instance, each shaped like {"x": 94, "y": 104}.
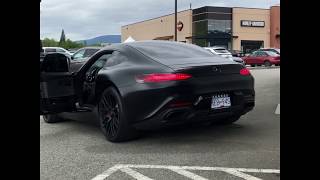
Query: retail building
{"x": 236, "y": 28}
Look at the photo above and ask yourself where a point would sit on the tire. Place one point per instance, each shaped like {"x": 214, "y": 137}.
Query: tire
{"x": 52, "y": 118}
{"x": 227, "y": 121}
{"x": 113, "y": 122}
{"x": 253, "y": 65}
{"x": 267, "y": 63}
{"x": 277, "y": 64}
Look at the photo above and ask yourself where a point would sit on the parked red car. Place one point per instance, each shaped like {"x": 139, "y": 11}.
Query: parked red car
{"x": 266, "y": 58}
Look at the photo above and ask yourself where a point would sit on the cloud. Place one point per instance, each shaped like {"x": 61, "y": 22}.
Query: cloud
{"x": 83, "y": 19}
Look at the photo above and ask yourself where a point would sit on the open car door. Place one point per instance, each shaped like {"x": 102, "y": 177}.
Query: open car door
{"x": 57, "y": 92}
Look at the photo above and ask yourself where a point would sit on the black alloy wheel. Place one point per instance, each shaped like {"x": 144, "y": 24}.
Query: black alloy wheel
{"x": 113, "y": 122}
{"x": 52, "y": 118}
{"x": 110, "y": 115}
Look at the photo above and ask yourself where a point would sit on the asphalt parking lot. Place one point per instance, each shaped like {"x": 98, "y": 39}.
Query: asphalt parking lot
{"x": 248, "y": 149}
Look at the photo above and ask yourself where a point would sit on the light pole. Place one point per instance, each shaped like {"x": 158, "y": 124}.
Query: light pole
{"x": 175, "y": 21}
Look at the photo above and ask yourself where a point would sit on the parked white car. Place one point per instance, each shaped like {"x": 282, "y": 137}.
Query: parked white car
{"x": 223, "y": 52}
{"x": 56, "y": 49}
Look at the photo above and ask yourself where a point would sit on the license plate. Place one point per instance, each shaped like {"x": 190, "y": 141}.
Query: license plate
{"x": 220, "y": 101}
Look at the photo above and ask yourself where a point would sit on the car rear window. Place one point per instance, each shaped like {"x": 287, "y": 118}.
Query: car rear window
{"x": 171, "y": 50}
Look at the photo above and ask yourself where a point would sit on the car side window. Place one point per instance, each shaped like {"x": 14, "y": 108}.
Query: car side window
{"x": 260, "y": 53}
{"x": 100, "y": 62}
{"x": 90, "y": 52}
{"x": 254, "y": 54}
{"x": 79, "y": 54}
{"x": 113, "y": 60}
{"x": 48, "y": 50}
{"x": 60, "y": 50}
{"x": 264, "y": 54}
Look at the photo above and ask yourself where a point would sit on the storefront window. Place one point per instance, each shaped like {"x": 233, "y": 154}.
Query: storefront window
{"x": 219, "y": 26}
{"x": 200, "y": 32}
{"x": 200, "y": 28}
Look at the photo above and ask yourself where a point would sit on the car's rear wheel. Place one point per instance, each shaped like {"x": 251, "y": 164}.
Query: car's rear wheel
{"x": 227, "y": 121}
{"x": 113, "y": 122}
{"x": 52, "y": 118}
{"x": 267, "y": 63}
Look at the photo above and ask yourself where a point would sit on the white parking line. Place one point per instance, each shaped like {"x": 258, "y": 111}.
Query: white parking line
{"x": 189, "y": 174}
{"x": 241, "y": 174}
{"x": 278, "y": 109}
{"x": 134, "y": 174}
{"x": 182, "y": 170}
{"x": 107, "y": 173}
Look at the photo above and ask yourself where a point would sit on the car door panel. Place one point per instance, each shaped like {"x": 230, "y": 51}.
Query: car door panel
{"x": 56, "y": 86}
{"x": 89, "y": 86}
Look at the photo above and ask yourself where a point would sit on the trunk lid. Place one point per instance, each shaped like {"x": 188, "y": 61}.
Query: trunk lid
{"x": 201, "y": 67}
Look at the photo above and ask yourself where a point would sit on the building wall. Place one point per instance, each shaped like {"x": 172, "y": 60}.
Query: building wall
{"x": 250, "y": 33}
{"x": 275, "y": 26}
{"x": 159, "y": 28}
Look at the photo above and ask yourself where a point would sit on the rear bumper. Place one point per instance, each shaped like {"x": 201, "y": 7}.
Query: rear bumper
{"x": 151, "y": 103}
{"x": 167, "y": 116}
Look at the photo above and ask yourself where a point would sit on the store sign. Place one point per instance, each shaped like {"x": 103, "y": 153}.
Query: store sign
{"x": 179, "y": 26}
{"x": 248, "y": 23}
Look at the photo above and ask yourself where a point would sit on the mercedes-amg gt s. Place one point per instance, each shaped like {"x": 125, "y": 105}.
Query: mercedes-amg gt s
{"x": 146, "y": 84}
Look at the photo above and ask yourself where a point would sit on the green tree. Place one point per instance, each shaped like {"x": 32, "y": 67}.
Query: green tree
{"x": 67, "y": 44}
{"x": 62, "y": 38}
{"x": 46, "y": 42}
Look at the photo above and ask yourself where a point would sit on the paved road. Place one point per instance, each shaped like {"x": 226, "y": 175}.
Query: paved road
{"x": 77, "y": 149}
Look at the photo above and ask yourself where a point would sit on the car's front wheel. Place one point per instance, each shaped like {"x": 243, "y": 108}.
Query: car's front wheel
{"x": 52, "y": 118}
{"x": 113, "y": 122}
{"x": 267, "y": 63}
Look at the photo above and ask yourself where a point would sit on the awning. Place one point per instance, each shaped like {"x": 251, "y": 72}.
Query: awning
{"x": 130, "y": 39}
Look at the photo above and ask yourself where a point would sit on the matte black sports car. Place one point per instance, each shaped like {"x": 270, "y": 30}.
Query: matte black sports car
{"x": 146, "y": 84}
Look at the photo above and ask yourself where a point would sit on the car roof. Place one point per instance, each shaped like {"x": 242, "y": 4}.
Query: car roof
{"x": 93, "y": 47}
{"x": 53, "y": 47}
{"x": 215, "y": 47}
{"x": 136, "y": 43}
{"x": 90, "y": 48}
{"x": 268, "y": 48}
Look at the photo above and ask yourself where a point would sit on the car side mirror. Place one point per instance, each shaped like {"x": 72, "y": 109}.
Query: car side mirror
{"x": 72, "y": 57}
{"x": 55, "y": 62}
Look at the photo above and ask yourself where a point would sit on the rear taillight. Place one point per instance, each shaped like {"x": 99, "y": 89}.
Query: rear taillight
{"x": 161, "y": 77}
{"x": 245, "y": 72}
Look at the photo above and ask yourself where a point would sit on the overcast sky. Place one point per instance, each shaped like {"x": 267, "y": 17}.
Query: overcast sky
{"x": 84, "y": 19}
